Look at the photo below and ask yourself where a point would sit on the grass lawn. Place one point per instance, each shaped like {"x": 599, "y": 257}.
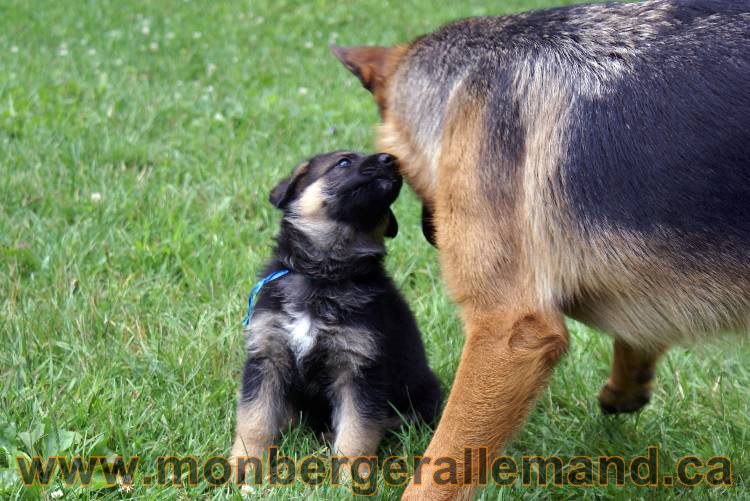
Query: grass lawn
{"x": 138, "y": 142}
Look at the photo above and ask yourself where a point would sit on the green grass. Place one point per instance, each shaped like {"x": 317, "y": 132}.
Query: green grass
{"x": 138, "y": 142}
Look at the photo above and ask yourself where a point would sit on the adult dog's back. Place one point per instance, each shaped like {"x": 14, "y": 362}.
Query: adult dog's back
{"x": 592, "y": 160}
{"x": 622, "y": 135}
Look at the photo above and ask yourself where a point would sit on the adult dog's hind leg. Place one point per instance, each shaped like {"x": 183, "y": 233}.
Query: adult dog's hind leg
{"x": 507, "y": 360}
{"x": 629, "y": 385}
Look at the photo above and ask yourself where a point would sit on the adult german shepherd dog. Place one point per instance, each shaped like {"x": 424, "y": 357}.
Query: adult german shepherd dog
{"x": 591, "y": 161}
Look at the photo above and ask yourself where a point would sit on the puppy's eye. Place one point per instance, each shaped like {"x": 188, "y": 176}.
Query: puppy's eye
{"x": 344, "y": 162}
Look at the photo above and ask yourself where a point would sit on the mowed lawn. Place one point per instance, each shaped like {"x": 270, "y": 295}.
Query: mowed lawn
{"x": 138, "y": 143}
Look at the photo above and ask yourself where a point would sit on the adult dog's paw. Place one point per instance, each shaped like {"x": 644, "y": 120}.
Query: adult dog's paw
{"x": 614, "y": 401}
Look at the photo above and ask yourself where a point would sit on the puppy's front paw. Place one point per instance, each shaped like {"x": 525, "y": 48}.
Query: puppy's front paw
{"x": 241, "y": 449}
{"x": 243, "y": 458}
{"x": 360, "y": 458}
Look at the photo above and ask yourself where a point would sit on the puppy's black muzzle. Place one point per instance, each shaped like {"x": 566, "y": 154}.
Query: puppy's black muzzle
{"x": 381, "y": 165}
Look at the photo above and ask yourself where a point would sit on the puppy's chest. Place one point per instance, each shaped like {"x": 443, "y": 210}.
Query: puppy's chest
{"x": 302, "y": 332}
{"x": 310, "y": 337}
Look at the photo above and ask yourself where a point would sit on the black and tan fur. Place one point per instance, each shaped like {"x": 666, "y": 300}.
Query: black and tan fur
{"x": 591, "y": 160}
{"x": 333, "y": 340}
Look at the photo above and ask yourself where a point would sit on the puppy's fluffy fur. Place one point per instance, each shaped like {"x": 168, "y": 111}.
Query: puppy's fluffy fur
{"x": 333, "y": 340}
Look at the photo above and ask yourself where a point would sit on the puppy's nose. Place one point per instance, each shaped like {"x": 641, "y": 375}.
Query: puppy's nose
{"x": 378, "y": 164}
{"x": 386, "y": 160}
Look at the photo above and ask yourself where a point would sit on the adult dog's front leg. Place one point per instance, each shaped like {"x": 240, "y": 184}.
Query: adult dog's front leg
{"x": 506, "y": 361}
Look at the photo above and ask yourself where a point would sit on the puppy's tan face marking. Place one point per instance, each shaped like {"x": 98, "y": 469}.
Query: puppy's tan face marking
{"x": 306, "y": 189}
{"x": 312, "y": 200}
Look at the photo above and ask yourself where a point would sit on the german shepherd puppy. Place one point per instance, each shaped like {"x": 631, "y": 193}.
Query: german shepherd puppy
{"x": 333, "y": 339}
{"x": 591, "y": 160}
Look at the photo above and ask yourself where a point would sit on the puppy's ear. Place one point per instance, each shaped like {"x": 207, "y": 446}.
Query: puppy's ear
{"x": 428, "y": 225}
{"x": 369, "y": 64}
{"x": 391, "y": 230}
{"x": 282, "y": 193}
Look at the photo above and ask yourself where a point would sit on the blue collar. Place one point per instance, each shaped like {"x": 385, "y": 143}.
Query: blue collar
{"x": 253, "y": 296}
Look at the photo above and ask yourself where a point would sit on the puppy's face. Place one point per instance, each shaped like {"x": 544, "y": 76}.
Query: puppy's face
{"x": 342, "y": 188}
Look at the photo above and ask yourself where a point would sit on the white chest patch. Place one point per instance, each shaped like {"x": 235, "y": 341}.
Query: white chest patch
{"x": 302, "y": 333}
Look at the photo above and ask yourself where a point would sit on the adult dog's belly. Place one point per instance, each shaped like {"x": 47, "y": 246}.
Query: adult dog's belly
{"x": 655, "y": 312}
